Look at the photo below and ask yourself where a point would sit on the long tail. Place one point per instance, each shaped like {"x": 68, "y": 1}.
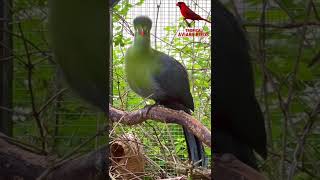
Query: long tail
{"x": 225, "y": 143}
{"x": 194, "y": 145}
{"x": 206, "y": 20}
{"x": 195, "y": 148}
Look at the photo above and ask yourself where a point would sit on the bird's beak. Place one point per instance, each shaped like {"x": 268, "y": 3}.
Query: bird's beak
{"x": 142, "y": 32}
{"x": 177, "y": 4}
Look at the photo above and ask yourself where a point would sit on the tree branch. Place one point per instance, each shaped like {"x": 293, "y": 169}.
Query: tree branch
{"x": 165, "y": 115}
{"x": 227, "y": 167}
{"x": 16, "y": 160}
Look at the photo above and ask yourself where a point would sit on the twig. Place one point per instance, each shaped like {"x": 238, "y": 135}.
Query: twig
{"x": 68, "y": 156}
{"x": 282, "y": 26}
{"x": 301, "y": 168}
{"x": 30, "y": 87}
{"x": 291, "y": 90}
{"x": 51, "y": 99}
{"x": 156, "y": 26}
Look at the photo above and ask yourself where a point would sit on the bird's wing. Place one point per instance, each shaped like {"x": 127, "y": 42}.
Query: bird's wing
{"x": 192, "y": 14}
{"x": 173, "y": 80}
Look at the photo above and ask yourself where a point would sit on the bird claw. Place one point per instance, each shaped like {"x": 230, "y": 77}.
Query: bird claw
{"x": 188, "y": 24}
{"x": 149, "y": 107}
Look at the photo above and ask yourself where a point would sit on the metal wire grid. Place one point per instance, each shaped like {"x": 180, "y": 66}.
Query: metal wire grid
{"x": 250, "y": 14}
{"x": 68, "y": 120}
{"x": 165, "y": 15}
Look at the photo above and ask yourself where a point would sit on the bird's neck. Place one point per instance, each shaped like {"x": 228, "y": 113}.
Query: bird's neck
{"x": 142, "y": 44}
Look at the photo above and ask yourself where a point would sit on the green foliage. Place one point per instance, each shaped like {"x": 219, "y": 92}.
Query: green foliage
{"x": 66, "y": 120}
{"x": 293, "y": 78}
{"x": 194, "y": 54}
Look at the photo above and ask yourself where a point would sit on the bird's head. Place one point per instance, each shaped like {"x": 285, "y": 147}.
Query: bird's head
{"x": 180, "y": 4}
{"x": 142, "y": 26}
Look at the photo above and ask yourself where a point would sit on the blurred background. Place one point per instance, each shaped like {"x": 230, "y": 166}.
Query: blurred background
{"x": 285, "y": 50}
{"x": 45, "y": 113}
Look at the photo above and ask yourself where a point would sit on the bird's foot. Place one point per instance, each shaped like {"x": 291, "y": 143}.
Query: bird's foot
{"x": 188, "y": 24}
{"x": 149, "y": 107}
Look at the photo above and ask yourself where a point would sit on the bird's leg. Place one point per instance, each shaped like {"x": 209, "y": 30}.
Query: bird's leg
{"x": 186, "y": 22}
{"x": 149, "y": 107}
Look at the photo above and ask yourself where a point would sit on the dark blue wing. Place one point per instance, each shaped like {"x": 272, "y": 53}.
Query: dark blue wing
{"x": 173, "y": 81}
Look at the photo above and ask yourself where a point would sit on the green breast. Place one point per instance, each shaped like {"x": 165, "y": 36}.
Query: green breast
{"x": 140, "y": 69}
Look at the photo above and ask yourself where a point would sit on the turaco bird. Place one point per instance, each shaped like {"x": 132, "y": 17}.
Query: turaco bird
{"x": 238, "y": 123}
{"x": 82, "y": 58}
{"x": 155, "y": 75}
{"x": 187, "y": 13}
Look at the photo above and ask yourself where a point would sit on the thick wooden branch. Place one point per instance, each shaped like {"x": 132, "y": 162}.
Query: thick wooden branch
{"x": 162, "y": 114}
{"x": 197, "y": 172}
{"x": 91, "y": 166}
{"x": 227, "y": 166}
{"x": 15, "y": 160}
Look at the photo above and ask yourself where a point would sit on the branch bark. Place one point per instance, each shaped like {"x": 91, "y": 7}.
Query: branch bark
{"x": 165, "y": 115}
{"x": 16, "y": 160}
{"x": 227, "y": 167}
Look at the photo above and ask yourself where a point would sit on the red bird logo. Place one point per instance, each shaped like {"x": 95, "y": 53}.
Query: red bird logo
{"x": 187, "y": 13}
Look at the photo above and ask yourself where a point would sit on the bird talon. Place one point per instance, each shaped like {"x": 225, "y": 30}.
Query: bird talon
{"x": 149, "y": 107}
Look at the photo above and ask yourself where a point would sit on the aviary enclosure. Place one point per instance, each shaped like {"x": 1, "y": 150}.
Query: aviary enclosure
{"x": 163, "y": 145}
{"x": 284, "y": 38}
{"x": 44, "y": 118}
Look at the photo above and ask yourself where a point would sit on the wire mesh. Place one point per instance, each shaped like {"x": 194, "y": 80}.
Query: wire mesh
{"x": 66, "y": 120}
{"x": 279, "y": 48}
{"x": 163, "y": 143}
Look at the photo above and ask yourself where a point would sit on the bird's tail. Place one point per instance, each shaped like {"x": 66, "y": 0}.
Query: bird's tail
{"x": 225, "y": 143}
{"x": 194, "y": 145}
{"x": 195, "y": 148}
{"x": 206, "y": 20}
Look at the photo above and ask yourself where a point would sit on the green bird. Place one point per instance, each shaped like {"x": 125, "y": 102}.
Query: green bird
{"x": 155, "y": 75}
{"x": 78, "y": 32}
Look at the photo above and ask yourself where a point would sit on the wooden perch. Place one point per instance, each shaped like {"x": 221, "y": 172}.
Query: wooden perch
{"x": 162, "y": 114}
{"x": 19, "y": 161}
{"x": 197, "y": 172}
{"x": 227, "y": 166}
